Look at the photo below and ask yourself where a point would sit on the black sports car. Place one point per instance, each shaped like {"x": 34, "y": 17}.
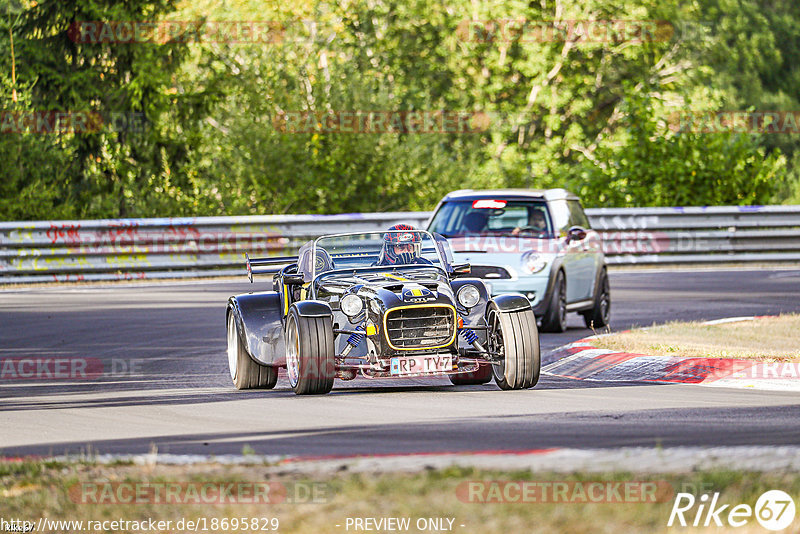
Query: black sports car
{"x": 378, "y": 305}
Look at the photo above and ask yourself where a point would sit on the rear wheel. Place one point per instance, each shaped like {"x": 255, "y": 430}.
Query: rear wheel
{"x": 555, "y": 318}
{"x": 514, "y": 336}
{"x": 245, "y": 372}
{"x": 481, "y": 376}
{"x": 598, "y": 316}
{"x": 310, "y": 354}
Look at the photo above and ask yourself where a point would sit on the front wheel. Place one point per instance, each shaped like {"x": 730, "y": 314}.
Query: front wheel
{"x": 598, "y": 316}
{"x": 245, "y": 372}
{"x": 310, "y": 354}
{"x": 513, "y": 336}
{"x": 555, "y": 318}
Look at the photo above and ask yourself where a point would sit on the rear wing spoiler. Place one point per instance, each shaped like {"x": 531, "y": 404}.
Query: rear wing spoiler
{"x": 267, "y": 265}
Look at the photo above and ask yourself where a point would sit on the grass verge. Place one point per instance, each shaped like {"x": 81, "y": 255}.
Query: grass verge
{"x": 34, "y": 489}
{"x": 768, "y": 339}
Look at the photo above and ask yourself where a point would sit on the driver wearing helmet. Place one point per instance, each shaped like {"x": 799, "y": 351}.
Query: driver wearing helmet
{"x": 401, "y": 246}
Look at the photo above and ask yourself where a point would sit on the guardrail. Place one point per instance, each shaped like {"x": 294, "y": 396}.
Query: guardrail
{"x": 699, "y": 235}
{"x": 58, "y": 251}
{"x": 126, "y": 249}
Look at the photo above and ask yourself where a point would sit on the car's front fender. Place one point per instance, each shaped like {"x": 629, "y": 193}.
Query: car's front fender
{"x": 510, "y": 302}
{"x": 258, "y": 318}
{"x": 313, "y": 308}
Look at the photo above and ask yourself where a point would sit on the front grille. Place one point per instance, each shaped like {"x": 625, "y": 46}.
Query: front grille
{"x": 490, "y": 272}
{"x": 420, "y": 327}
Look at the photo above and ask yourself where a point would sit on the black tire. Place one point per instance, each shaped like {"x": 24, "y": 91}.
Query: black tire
{"x": 598, "y": 316}
{"x": 481, "y": 376}
{"x": 310, "y": 353}
{"x": 514, "y": 335}
{"x": 246, "y": 372}
{"x": 555, "y": 318}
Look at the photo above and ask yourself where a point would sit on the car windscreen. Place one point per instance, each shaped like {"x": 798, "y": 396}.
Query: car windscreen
{"x": 523, "y": 218}
{"x": 377, "y": 249}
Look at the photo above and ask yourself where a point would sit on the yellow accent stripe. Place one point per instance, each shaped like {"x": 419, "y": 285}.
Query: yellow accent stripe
{"x": 303, "y": 289}
{"x": 395, "y": 277}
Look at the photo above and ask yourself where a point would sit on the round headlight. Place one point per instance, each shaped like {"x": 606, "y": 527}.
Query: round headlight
{"x": 351, "y": 305}
{"x": 533, "y": 263}
{"x": 468, "y": 296}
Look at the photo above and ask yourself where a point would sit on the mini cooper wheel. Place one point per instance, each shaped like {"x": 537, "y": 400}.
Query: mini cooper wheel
{"x": 481, "y": 376}
{"x": 246, "y": 373}
{"x": 555, "y": 318}
{"x": 513, "y": 336}
{"x": 598, "y": 316}
{"x": 310, "y": 353}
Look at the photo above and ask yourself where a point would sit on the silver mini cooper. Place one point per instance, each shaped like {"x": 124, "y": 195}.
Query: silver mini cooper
{"x": 535, "y": 242}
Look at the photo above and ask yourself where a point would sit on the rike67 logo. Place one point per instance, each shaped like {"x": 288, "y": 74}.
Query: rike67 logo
{"x": 774, "y": 510}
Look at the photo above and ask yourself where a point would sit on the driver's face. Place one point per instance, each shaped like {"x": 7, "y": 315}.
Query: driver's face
{"x": 537, "y": 219}
{"x": 403, "y": 247}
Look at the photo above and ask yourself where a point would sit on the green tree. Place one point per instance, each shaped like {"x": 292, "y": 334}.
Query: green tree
{"x": 592, "y": 115}
{"x": 659, "y": 167}
{"x": 131, "y": 161}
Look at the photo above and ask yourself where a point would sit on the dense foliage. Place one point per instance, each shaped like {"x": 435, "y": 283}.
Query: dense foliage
{"x": 201, "y": 131}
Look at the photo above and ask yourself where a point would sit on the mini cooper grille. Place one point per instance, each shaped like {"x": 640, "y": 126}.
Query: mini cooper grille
{"x": 489, "y": 272}
{"x": 420, "y": 327}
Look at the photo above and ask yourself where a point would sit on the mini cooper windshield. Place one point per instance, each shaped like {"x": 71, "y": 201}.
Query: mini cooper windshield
{"x": 501, "y": 217}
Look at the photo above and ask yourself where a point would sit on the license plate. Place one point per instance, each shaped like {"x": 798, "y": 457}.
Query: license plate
{"x": 412, "y": 365}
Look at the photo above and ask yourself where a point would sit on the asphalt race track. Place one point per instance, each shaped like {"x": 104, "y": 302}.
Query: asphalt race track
{"x": 166, "y": 382}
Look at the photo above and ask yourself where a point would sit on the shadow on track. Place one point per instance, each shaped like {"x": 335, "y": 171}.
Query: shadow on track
{"x": 645, "y": 428}
{"x": 59, "y": 397}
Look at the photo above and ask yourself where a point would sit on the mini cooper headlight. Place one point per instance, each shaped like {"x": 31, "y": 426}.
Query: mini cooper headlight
{"x": 533, "y": 263}
{"x": 351, "y": 305}
{"x": 468, "y": 296}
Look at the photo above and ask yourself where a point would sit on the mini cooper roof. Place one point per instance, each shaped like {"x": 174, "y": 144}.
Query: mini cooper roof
{"x": 542, "y": 194}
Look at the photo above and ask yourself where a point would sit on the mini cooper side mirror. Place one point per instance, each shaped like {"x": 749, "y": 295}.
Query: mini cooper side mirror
{"x": 461, "y": 269}
{"x": 576, "y": 233}
{"x": 293, "y": 279}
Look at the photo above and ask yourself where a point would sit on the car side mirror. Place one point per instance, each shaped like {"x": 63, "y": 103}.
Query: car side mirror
{"x": 293, "y": 279}
{"x": 576, "y": 233}
{"x": 462, "y": 269}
